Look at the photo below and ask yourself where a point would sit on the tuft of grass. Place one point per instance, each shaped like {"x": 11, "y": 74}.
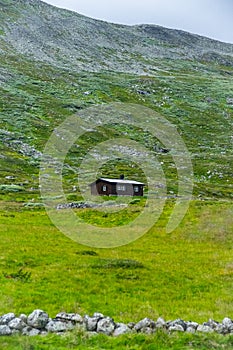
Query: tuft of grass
{"x": 11, "y": 188}
{"x": 117, "y": 264}
{"x": 20, "y": 275}
{"x": 87, "y": 252}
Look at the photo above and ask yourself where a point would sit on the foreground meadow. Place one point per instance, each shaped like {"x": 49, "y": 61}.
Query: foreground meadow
{"x": 186, "y": 274}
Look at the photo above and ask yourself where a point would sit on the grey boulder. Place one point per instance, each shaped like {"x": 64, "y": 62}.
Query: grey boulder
{"x": 76, "y": 318}
{"x": 204, "y": 329}
{"x": 160, "y": 323}
{"x": 30, "y": 331}
{"x": 106, "y": 326}
{"x": 176, "y": 328}
{"x": 144, "y": 324}
{"x": 38, "y": 319}
{"x": 120, "y": 329}
{"x": 55, "y": 326}
{"x": 5, "y": 330}
{"x": 17, "y": 323}
{"x": 5, "y": 319}
{"x": 227, "y": 323}
{"x": 91, "y": 322}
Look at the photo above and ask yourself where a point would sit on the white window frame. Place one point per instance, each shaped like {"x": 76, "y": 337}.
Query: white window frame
{"x": 136, "y": 189}
{"x": 121, "y": 188}
{"x": 104, "y": 188}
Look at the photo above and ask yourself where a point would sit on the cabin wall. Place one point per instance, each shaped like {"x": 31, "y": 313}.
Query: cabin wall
{"x": 111, "y": 189}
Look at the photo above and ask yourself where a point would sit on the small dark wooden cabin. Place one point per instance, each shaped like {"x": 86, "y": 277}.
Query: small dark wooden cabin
{"x": 116, "y": 187}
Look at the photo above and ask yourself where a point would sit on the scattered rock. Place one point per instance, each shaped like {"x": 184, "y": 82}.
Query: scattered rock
{"x": 76, "y": 205}
{"x": 159, "y": 149}
{"x": 106, "y": 326}
{"x": 63, "y": 316}
{"x": 120, "y": 329}
{"x": 143, "y": 92}
{"x": 23, "y": 317}
{"x": 229, "y": 101}
{"x": 30, "y": 331}
{"x": 5, "y": 319}
{"x": 177, "y": 323}
{"x": 176, "y": 328}
{"x": 5, "y": 330}
{"x": 228, "y": 324}
{"x": 131, "y": 325}
{"x": 144, "y": 324}
{"x": 211, "y": 323}
{"x": 91, "y": 322}
{"x": 204, "y": 329}
{"x": 191, "y": 324}
{"x": 17, "y": 323}
{"x": 160, "y": 323}
{"x": 221, "y": 329}
{"x": 10, "y": 177}
{"x": 38, "y": 319}
{"x": 55, "y": 326}
{"x": 190, "y": 330}
{"x": 148, "y": 330}
{"x": 209, "y": 99}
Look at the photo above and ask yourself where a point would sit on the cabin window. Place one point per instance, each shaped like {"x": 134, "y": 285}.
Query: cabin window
{"x": 121, "y": 188}
{"x": 104, "y": 188}
{"x": 136, "y": 189}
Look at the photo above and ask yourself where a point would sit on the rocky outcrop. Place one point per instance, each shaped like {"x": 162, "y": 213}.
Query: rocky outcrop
{"x": 39, "y": 323}
{"x": 86, "y": 205}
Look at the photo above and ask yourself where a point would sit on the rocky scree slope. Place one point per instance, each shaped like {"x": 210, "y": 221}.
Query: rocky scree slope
{"x": 66, "y": 39}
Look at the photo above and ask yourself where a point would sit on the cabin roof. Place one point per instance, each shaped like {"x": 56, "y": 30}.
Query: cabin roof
{"x": 121, "y": 181}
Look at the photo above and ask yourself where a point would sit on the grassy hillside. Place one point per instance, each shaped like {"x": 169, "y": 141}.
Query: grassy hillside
{"x": 165, "y": 72}
{"x": 35, "y": 99}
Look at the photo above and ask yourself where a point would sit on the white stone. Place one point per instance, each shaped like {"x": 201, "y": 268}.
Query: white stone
{"x": 190, "y": 330}
{"x": 23, "y": 317}
{"x": 160, "y": 323}
{"x": 30, "y": 331}
{"x": 77, "y": 318}
{"x": 56, "y": 326}
{"x": 146, "y": 322}
{"x": 17, "y": 323}
{"x": 91, "y": 323}
{"x": 5, "y": 319}
{"x": 38, "y": 319}
{"x": 227, "y": 322}
{"x": 5, "y": 330}
{"x": 121, "y": 328}
{"x": 176, "y": 328}
{"x": 205, "y": 329}
{"x": 106, "y": 326}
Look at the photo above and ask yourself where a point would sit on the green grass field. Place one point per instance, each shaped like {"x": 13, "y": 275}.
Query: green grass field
{"x": 186, "y": 274}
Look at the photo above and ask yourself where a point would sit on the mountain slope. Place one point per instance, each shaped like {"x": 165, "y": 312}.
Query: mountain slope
{"x": 54, "y": 63}
{"x": 64, "y": 39}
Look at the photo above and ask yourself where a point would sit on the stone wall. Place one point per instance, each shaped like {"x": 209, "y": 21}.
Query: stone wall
{"x": 39, "y": 322}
